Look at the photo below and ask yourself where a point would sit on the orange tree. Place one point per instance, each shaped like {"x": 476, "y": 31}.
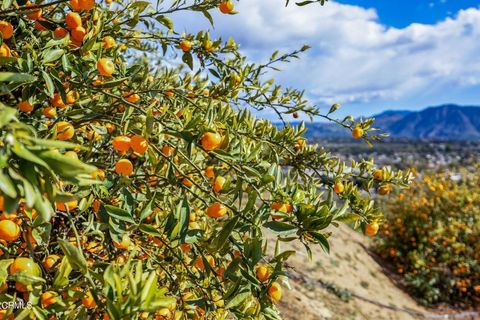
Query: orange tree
{"x": 131, "y": 187}
{"x": 432, "y": 236}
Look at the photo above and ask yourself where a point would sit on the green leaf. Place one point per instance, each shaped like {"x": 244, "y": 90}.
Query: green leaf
{"x": 61, "y": 276}
{"x": 52, "y": 55}
{"x": 237, "y": 300}
{"x": 166, "y": 21}
{"x": 74, "y": 255}
{"x": 280, "y": 227}
{"x": 119, "y": 214}
{"x": 63, "y": 165}
{"x": 49, "y": 83}
{"x": 188, "y": 59}
{"x": 4, "y": 264}
{"x": 16, "y": 77}
{"x": 7, "y": 186}
{"x": 322, "y": 240}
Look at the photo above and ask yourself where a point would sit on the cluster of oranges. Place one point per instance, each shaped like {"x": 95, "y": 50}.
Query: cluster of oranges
{"x": 432, "y": 237}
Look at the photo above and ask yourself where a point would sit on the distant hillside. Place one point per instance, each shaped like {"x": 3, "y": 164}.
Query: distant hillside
{"x": 446, "y": 122}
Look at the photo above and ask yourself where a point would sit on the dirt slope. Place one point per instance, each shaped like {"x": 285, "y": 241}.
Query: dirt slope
{"x": 350, "y": 267}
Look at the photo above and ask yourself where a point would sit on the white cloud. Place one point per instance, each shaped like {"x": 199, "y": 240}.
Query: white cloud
{"x": 354, "y": 58}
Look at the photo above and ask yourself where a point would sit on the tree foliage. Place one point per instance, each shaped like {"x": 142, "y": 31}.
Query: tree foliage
{"x": 142, "y": 186}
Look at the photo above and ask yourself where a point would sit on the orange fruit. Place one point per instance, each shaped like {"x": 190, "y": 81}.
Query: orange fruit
{"x": 371, "y": 229}
{"x": 216, "y": 210}
{"x": 200, "y": 264}
{"x": 34, "y": 14}
{"x": 88, "y": 301}
{"x": 6, "y": 29}
{"x": 5, "y": 215}
{"x": 38, "y": 26}
{"x": 263, "y": 273}
{"x": 110, "y": 127}
{"x": 226, "y": 7}
{"x": 70, "y": 205}
{"x": 25, "y": 106}
{"x": 210, "y": 172}
{"x": 5, "y": 51}
{"x": 124, "y": 167}
{"x": 75, "y": 5}
{"x": 357, "y": 133}
{"x": 86, "y": 4}
{"x": 282, "y": 207}
{"x": 167, "y": 150}
{"x": 50, "y": 261}
{"x": 105, "y": 67}
{"x": 139, "y": 144}
{"x": 187, "y": 181}
{"x": 131, "y": 97}
{"x": 96, "y": 205}
{"x": 24, "y": 264}
{"x": 338, "y": 187}
{"x": 185, "y": 45}
{"x": 275, "y": 292}
{"x": 71, "y": 97}
{"x": 60, "y": 32}
{"x": 218, "y": 183}
{"x": 48, "y": 298}
{"x": 57, "y": 101}
{"x": 9, "y": 230}
{"x": 108, "y": 42}
{"x": 78, "y": 33}
{"x": 121, "y": 143}
{"x": 73, "y": 20}
{"x": 378, "y": 175}
{"x": 64, "y": 130}
{"x": 98, "y": 174}
{"x": 384, "y": 189}
{"x": 124, "y": 244}
{"x": 50, "y": 112}
{"x": 211, "y": 141}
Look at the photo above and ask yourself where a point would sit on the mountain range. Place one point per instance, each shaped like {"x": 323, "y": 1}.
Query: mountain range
{"x": 445, "y": 122}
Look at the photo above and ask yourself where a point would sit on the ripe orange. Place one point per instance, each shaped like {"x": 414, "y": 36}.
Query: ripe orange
{"x": 282, "y": 207}
{"x": 6, "y": 29}
{"x": 378, "y": 175}
{"x": 50, "y": 261}
{"x": 71, "y": 97}
{"x": 275, "y": 292}
{"x": 9, "y": 230}
{"x": 211, "y": 141}
{"x": 226, "y": 7}
{"x": 219, "y": 183}
{"x": 371, "y": 229}
{"x": 124, "y": 167}
{"x": 384, "y": 189}
{"x": 110, "y": 127}
{"x": 78, "y": 33}
{"x": 73, "y": 20}
{"x": 105, "y": 67}
{"x": 210, "y": 172}
{"x": 108, "y": 42}
{"x": 50, "y": 112}
{"x": 216, "y": 210}
{"x": 88, "y": 301}
{"x": 98, "y": 174}
{"x": 124, "y": 244}
{"x": 64, "y": 130}
{"x": 96, "y": 205}
{"x": 131, "y": 97}
{"x": 60, "y": 32}
{"x": 86, "y": 4}
{"x": 70, "y": 205}
{"x": 357, "y": 132}
{"x": 121, "y": 143}
{"x": 25, "y": 106}
{"x": 167, "y": 150}
{"x": 38, "y": 26}
{"x": 24, "y": 264}
{"x": 75, "y": 5}
{"x": 57, "y": 101}
{"x": 5, "y": 51}
{"x": 200, "y": 264}
{"x": 35, "y": 14}
{"x": 263, "y": 273}
{"x": 48, "y": 298}
{"x": 338, "y": 187}
{"x": 185, "y": 45}
{"x": 139, "y": 144}
{"x": 187, "y": 181}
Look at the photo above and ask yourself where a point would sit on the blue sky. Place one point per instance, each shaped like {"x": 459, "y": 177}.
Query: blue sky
{"x": 368, "y": 55}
